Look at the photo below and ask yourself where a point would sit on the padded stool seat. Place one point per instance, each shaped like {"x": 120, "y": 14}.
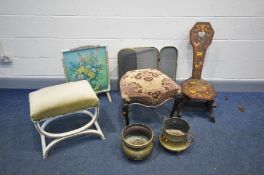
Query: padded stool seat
{"x": 147, "y": 86}
{"x": 198, "y": 89}
{"x": 49, "y": 103}
{"x": 61, "y": 99}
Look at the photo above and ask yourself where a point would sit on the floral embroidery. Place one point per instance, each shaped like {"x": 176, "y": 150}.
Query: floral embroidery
{"x": 148, "y": 78}
{"x": 147, "y": 86}
{"x": 138, "y": 76}
{"x": 156, "y": 94}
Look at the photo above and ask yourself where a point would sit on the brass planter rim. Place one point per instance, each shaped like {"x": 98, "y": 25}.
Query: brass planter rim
{"x": 182, "y": 125}
{"x": 137, "y": 146}
{"x": 179, "y": 143}
{"x": 175, "y": 139}
{"x": 185, "y": 123}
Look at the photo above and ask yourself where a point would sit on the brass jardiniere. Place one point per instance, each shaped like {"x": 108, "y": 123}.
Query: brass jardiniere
{"x": 175, "y": 134}
{"x": 137, "y": 141}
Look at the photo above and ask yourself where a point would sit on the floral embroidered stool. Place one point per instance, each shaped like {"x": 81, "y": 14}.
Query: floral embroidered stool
{"x": 147, "y": 87}
{"x": 195, "y": 88}
{"x": 50, "y": 103}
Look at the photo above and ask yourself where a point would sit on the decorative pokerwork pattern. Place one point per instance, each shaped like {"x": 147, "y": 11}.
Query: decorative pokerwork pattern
{"x": 198, "y": 89}
{"x": 201, "y": 36}
{"x": 195, "y": 88}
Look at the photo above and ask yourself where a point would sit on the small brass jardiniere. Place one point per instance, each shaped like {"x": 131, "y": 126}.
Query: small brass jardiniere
{"x": 137, "y": 141}
{"x": 175, "y": 134}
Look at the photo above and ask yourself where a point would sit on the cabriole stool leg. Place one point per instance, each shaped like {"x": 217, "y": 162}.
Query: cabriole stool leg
{"x": 125, "y": 113}
{"x": 183, "y": 100}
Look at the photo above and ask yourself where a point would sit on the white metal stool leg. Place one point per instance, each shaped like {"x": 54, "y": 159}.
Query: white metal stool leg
{"x": 58, "y": 137}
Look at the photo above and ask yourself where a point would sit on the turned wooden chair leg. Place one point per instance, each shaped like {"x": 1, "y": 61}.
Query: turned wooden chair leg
{"x": 211, "y": 105}
{"x": 125, "y": 113}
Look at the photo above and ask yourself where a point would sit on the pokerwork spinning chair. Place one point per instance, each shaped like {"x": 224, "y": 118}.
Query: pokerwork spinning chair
{"x": 147, "y": 77}
{"x": 195, "y": 88}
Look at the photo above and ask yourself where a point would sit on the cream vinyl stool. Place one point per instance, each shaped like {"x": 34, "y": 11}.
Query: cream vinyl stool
{"x": 57, "y": 101}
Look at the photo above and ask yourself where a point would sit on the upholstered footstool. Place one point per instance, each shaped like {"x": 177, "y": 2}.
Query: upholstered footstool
{"x": 147, "y": 87}
{"x": 50, "y": 103}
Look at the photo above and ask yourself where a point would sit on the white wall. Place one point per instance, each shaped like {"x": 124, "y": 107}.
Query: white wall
{"x": 35, "y": 31}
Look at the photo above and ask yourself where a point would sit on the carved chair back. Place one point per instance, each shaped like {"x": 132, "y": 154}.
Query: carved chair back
{"x": 201, "y": 36}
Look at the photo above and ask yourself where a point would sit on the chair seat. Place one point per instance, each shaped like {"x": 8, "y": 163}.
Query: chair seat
{"x": 61, "y": 99}
{"x": 198, "y": 89}
{"x": 147, "y": 86}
